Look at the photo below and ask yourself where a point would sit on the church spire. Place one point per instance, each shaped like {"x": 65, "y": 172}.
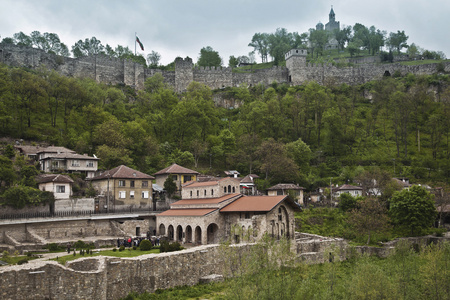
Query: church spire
{"x": 332, "y": 15}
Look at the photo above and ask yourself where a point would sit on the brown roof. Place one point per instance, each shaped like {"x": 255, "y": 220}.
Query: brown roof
{"x": 205, "y": 200}
{"x": 193, "y": 212}
{"x": 70, "y": 155}
{"x": 205, "y": 183}
{"x": 55, "y": 149}
{"x": 176, "y": 169}
{"x": 254, "y": 203}
{"x": 347, "y": 187}
{"x": 249, "y": 178}
{"x": 122, "y": 172}
{"x": 285, "y": 186}
{"x": 43, "y": 178}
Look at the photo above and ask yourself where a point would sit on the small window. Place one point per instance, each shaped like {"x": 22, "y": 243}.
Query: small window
{"x": 132, "y": 194}
{"x": 121, "y": 182}
{"x": 90, "y": 164}
{"x": 204, "y": 193}
{"x": 144, "y": 183}
{"x": 234, "y": 189}
{"x": 174, "y": 177}
{"x": 132, "y": 183}
{"x": 187, "y": 178}
{"x": 224, "y": 189}
{"x": 191, "y": 194}
{"x": 75, "y": 163}
{"x": 144, "y": 195}
{"x": 122, "y": 194}
{"x": 212, "y": 192}
{"x": 247, "y": 215}
{"x": 198, "y": 193}
{"x": 60, "y": 188}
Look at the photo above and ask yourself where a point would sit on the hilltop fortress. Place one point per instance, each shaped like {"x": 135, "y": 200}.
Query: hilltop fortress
{"x": 114, "y": 71}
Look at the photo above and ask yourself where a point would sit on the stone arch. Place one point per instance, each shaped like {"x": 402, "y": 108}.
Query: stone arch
{"x": 179, "y": 234}
{"x": 188, "y": 233}
{"x": 387, "y": 73}
{"x": 229, "y": 189}
{"x": 212, "y": 233}
{"x": 285, "y": 221}
{"x": 170, "y": 232}
{"x": 162, "y": 229}
{"x": 198, "y": 235}
{"x": 234, "y": 189}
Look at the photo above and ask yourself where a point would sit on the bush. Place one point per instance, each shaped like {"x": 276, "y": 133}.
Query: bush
{"x": 122, "y": 248}
{"x": 53, "y": 247}
{"x": 145, "y": 245}
{"x": 22, "y": 261}
{"x": 115, "y": 249}
{"x": 169, "y": 247}
{"x": 82, "y": 245}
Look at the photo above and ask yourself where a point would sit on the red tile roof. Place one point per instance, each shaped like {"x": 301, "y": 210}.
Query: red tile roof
{"x": 122, "y": 172}
{"x": 43, "y": 178}
{"x": 193, "y": 212}
{"x": 206, "y": 183}
{"x": 176, "y": 169}
{"x": 285, "y": 186}
{"x": 254, "y": 203}
{"x": 205, "y": 200}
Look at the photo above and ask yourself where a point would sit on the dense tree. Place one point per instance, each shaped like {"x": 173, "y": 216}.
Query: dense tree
{"x": 260, "y": 44}
{"x": 209, "y": 58}
{"x": 413, "y": 209}
{"x": 87, "y": 47}
{"x": 153, "y": 59}
{"x": 397, "y": 40}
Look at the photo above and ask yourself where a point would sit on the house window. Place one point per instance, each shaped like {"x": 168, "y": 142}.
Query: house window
{"x": 187, "y": 178}
{"x": 145, "y": 183}
{"x": 247, "y": 215}
{"x": 75, "y": 163}
{"x": 60, "y": 188}
{"x": 234, "y": 189}
{"x": 174, "y": 177}
{"x": 121, "y": 182}
{"x": 90, "y": 164}
{"x": 132, "y": 183}
{"x": 191, "y": 194}
{"x": 145, "y": 195}
{"x": 224, "y": 189}
{"x": 132, "y": 194}
{"x": 55, "y": 164}
{"x": 212, "y": 192}
{"x": 280, "y": 192}
{"x": 122, "y": 194}
{"x": 204, "y": 192}
{"x": 229, "y": 189}
{"x": 198, "y": 193}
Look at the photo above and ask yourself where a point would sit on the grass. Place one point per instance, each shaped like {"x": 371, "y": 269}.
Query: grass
{"x": 126, "y": 253}
{"x": 12, "y": 260}
{"x": 422, "y": 62}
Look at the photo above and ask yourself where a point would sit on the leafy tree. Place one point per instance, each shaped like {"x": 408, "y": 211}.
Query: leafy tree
{"x": 369, "y": 216}
{"x": 397, "y": 40}
{"x": 347, "y": 202}
{"x": 318, "y": 40}
{"x": 20, "y": 196}
{"x": 153, "y": 59}
{"x": 233, "y": 61}
{"x": 170, "y": 186}
{"x": 260, "y": 44}
{"x": 209, "y": 58}
{"x": 275, "y": 163}
{"x": 280, "y": 42}
{"x": 22, "y": 39}
{"x": 87, "y": 47}
{"x": 413, "y": 208}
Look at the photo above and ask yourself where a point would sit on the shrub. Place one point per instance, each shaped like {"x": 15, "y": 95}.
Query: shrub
{"x": 122, "y": 248}
{"x": 52, "y": 247}
{"x": 169, "y": 247}
{"x": 115, "y": 249}
{"x": 22, "y": 261}
{"x": 82, "y": 245}
{"x": 145, "y": 245}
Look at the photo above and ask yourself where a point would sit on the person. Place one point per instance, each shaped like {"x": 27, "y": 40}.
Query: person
{"x": 68, "y": 247}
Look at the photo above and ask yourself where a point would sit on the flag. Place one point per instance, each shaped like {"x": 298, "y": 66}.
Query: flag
{"x": 140, "y": 44}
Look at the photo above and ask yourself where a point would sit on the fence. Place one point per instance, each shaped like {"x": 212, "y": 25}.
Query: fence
{"x": 82, "y": 213}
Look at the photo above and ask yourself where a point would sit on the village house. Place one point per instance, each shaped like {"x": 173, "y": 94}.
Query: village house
{"x": 355, "y": 191}
{"x": 180, "y": 175}
{"x": 247, "y": 185}
{"x": 209, "y": 189}
{"x": 60, "y": 185}
{"x": 70, "y": 163}
{"x": 292, "y": 189}
{"x": 124, "y": 186}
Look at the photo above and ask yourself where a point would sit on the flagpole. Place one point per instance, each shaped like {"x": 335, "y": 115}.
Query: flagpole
{"x": 135, "y": 35}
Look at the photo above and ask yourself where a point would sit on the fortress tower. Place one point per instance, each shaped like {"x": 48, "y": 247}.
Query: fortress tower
{"x": 332, "y": 23}
{"x": 296, "y": 64}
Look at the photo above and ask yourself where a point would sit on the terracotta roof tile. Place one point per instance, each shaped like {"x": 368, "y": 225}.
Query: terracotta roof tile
{"x": 285, "y": 186}
{"x": 254, "y": 203}
{"x": 194, "y": 212}
{"x": 205, "y": 200}
{"x": 121, "y": 172}
{"x": 43, "y": 178}
{"x": 206, "y": 183}
{"x": 176, "y": 169}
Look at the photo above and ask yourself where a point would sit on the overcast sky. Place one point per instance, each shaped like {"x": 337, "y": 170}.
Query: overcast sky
{"x": 181, "y": 28}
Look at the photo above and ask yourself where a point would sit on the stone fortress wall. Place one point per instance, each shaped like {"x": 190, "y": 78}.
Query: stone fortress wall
{"x": 117, "y": 71}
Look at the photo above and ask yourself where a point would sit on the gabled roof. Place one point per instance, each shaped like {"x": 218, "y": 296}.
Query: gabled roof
{"x": 176, "y": 169}
{"x": 54, "y": 149}
{"x": 57, "y": 178}
{"x": 254, "y": 203}
{"x": 205, "y": 200}
{"x": 122, "y": 172}
{"x": 190, "y": 212}
{"x": 195, "y": 184}
{"x": 347, "y": 187}
{"x": 249, "y": 178}
{"x": 69, "y": 155}
{"x": 285, "y": 186}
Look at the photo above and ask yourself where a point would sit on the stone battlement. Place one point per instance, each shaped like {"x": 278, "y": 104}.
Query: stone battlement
{"x": 117, "y": 71}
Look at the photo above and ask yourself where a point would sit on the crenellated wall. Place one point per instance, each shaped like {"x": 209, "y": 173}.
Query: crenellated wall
{"x": 117, "y": 71}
